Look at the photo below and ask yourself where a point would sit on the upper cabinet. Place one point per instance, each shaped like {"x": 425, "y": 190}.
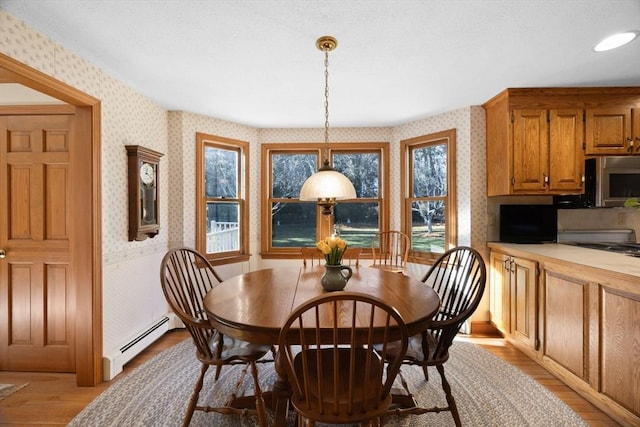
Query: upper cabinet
{"x": 537, "y": 139}
{"x": 613, "y": 131}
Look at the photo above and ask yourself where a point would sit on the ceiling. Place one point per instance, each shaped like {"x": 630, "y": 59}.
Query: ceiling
{"x": 255, "y": 62}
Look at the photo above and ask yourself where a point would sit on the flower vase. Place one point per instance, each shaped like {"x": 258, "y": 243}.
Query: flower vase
{"x": 334, "y": 279}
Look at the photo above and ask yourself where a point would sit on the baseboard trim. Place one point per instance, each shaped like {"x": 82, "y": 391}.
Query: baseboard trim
{"x": 484, "y": 328}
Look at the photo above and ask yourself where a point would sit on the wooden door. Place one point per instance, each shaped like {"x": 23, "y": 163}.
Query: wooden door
{"x": 524, "y": 301}
{"x": 566, "y": 156}
{"x": 530, "y": 150}
{"x": 37, "y": 295}
{"x": 499, "y": 295}
{"x": 608, "y": 131}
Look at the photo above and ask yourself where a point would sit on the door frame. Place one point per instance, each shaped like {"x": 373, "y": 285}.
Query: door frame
{"x": 86, "y": 246}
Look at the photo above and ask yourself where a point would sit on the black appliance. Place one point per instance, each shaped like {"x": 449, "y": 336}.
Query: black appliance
{"x": 528, "y": 223}
{"x": 588, "y": 198}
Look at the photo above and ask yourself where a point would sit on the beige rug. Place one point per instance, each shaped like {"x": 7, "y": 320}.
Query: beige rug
{"x": 7, "y": 389}
{"x": 488, "y": 391}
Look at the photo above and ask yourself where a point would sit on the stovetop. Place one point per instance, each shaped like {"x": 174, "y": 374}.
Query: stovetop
{"x": 631, "y": 249}
{"x": 618, "y": 241}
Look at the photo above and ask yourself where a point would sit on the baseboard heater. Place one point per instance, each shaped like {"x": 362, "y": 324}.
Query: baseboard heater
{"x": 112, "y": 365}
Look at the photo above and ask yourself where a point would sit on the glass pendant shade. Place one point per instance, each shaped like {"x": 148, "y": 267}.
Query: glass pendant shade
{"x": 327, "y": 183}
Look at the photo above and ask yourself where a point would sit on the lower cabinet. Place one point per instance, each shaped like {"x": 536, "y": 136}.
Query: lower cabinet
{"x": 565, "y": 320}
{"x": 514, "y": 290}
{"x": 581, "y": 323}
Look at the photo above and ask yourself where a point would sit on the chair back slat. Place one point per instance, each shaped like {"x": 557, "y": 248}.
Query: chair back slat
{"x": 390, "y": 249}
{"x": 186, "y": 277}
{"x": 336, "y": 373}
{"x": 459, "y": 278}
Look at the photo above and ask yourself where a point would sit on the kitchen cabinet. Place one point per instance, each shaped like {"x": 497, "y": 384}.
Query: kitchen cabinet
{"x": 613, "y": 131}
{"x": 514, "y": 286}
{"x": 536, "y": 138}
{"x": 585, "y": 318}
{"x": 499, "y": 291}
{"x": 539, "y": 151}
{"x": 565, "y": 319}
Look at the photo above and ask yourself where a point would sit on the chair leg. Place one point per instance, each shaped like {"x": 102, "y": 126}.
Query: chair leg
{"x": 194, "y": 397}
{"x": 426, "y": 373}
{"x": 450, "y": 400}
{"x": 260, "y": 406}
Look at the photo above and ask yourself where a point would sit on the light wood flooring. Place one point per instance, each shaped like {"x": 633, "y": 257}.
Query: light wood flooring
{"x": 54, "y": 399}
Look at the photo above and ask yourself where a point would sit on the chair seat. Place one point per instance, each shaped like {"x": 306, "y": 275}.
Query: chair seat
{"x": 391, "y": 268}
{"x": 235, "y": 350}
{"x": 366, "y": 399}
{"x": 415, "y": 350}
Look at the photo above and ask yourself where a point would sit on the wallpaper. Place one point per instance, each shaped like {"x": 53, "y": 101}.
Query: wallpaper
{"x": 132, "y": 299}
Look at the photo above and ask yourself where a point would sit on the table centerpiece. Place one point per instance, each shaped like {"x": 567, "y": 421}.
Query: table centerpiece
{"x": 334, "y": 278}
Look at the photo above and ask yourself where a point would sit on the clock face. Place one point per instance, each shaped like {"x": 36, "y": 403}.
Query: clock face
{"x": 147, "y": 173}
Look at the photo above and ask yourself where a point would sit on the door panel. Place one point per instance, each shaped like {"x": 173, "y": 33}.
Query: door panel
{"x": 37, "y": 297}
{"x": 530, "y": 149}
{"x": 566, "y": 161}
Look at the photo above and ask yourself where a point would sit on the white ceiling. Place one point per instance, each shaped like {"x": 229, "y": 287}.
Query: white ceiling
{"x": 255, "y": 62}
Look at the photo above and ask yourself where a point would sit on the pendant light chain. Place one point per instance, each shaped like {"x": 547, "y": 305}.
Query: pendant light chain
{"x": 326, "y": 105}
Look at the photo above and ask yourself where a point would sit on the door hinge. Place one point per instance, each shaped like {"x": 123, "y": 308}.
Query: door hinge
{"x": 548, "y": 117}
{"x": 584, "y": 116}
{"x": 584, "y": 145}
{"x": 537, "y": 343}
{"x": 512, "y": 118}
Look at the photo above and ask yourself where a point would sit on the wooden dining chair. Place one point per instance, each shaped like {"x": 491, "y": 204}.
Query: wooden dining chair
{"x": 186, "y": 277}
{"x": 313, "y": 256}
{"x": 326, "y": 348}
{"x": 390, "y": 250}
{"x": 459, "y": 278}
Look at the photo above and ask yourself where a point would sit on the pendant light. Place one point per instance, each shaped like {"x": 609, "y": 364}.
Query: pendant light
{"x": 327, "y": 185}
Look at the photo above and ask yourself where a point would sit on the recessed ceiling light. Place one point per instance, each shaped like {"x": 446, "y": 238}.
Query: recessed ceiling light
{"x": 616, "y": 40}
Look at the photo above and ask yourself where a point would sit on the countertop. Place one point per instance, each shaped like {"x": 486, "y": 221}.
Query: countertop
{"x": 592, "y": 258}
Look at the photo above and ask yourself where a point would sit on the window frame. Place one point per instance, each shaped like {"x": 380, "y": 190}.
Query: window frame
{"x": 451, "y": 213}
{"x": 242, "y": 147}
{"x": 323, "y": 227}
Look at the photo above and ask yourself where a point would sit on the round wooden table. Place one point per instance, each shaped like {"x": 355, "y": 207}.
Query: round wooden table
{"x": 254, "y": 306}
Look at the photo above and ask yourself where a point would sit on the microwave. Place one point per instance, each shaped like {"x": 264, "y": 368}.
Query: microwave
{"x": 618, "y": 179}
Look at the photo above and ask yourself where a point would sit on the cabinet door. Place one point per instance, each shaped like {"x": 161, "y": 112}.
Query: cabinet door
{"x": 635, "y": 131}
{"x": 566, "y": 156}
{"x": 564, "y": 319}
{"x": 608, "y": 131}
{"x": 530, "y": 150}
{"x": 524, "y": 301}
{"x": 499, "y": 291}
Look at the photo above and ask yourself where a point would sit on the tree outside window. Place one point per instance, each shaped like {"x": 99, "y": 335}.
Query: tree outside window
{"x": 292, "y": 223}
{"x": 221, "y": 223}
{"x": 429, "y": 215}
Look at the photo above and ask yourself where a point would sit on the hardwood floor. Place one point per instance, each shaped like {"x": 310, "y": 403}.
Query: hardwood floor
{"x": 54, "y": 399}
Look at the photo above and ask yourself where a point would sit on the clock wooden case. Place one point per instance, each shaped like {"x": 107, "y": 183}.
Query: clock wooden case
{"x": 144, "y": 204}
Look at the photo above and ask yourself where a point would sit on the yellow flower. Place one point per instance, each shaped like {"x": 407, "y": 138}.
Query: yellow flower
{"x": 333, "y": 248}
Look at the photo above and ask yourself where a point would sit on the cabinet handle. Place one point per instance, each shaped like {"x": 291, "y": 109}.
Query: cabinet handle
{"x": 630, "y": 141}
{"x": 546, "y": 179}
{"x": 506, "y": 265}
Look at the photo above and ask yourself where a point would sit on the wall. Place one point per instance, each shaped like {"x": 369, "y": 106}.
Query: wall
{"x": 131, "y": 295}
{"x": 132, "y": 299}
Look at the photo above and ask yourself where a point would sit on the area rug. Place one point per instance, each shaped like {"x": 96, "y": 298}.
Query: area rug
{"x": 8, "y": 389}
{"x": 488, "y": 392}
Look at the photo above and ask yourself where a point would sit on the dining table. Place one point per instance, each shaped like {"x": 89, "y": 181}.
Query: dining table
{"x": 254, "y": 306}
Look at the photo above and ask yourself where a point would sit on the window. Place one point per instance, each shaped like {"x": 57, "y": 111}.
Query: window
{"x": 289, "y": 224}
{"x": 222, "y": 226}
{"x": 428, "y": 194}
